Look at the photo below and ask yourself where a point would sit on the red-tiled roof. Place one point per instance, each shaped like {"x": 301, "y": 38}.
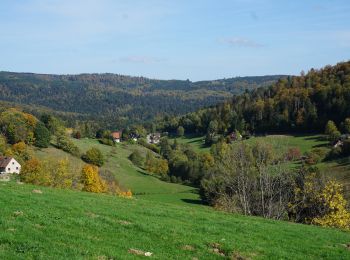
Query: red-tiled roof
{"x": 4, "y": 161}
{"x": 116, "y": 135}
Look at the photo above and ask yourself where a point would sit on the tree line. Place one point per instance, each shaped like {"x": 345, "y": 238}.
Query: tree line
{"x": 296, "y": 104}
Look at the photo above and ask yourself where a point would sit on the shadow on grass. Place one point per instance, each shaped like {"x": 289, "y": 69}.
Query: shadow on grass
{"x": 148, "y": 174}
{"x": 344, "y": 161}
{"x": 193, "y": 201}
{"x": 318, "y": 138}
{"x": 325, "y": 145}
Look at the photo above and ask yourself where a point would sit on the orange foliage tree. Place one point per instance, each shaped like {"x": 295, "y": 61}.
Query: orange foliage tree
{"x": 91, "y": 179}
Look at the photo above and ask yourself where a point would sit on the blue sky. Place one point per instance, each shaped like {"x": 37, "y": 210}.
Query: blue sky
{"x": 178, "y": 39}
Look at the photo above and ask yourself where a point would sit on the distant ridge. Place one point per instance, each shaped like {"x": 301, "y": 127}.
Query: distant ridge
{"x": 118, "y": 100}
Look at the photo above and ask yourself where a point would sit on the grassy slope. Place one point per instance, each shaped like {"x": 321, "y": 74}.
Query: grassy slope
{"x": 64, "y": 224}
{"x": 129, "y": 176}
{"x": 197, "y": 142}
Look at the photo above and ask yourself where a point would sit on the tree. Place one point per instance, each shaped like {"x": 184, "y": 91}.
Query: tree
{"x": 211, "y": 132}
{"x": 336, "y": 214}
{"x": 156, "y": 165}
{"x": 249, "y": 180}
{"x": 61, "y": 177}
{"x": 91, "y": 179}
{"x": 136, "y": 158}
{"x": 332, "y": 131}
{"x": 42, "y": 136}
{"x": 180, "y": 131}
{"x": 77, "y": 135}
{"x": 347, "y": 125}
{"x": 93, "y": 156}
{"x": 34, "y": 172}
{"x": 3, "y": 144}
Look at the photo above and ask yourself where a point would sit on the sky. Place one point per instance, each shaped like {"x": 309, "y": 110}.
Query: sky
{"x": 177, "y": 39}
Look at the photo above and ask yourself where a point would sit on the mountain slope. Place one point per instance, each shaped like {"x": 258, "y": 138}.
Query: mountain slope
{"x": 115, "y": 99}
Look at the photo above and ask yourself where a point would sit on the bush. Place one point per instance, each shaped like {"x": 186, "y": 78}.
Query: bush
{"x": 93, "y": 156}
{"x": 315, "y": 156}
{"x": 152, "y": 147}
{"x": 156, "y": 165}
{"x": 173, "y": 179}
{"x": 77, "y": 135}
{"x": 106, "y": 141}
{"x": 180, "y": 131}
{"x": 67, "y": 145}
{"x": 91, "y": 180}
{"x": 293, "y": 154}
{"x": 335, "y": 153}
{"x": 136, "y": 158}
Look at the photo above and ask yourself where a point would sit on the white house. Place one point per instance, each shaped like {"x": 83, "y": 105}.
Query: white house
{"x": 117, "y": 136}
{"x": 9, "y": 165}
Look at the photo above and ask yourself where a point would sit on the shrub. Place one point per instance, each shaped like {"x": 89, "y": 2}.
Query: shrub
{"x": 180, "y": 131}
{"x": 152, "y": 147}
{"x": 106, "y": 141}
{"x": 91, "y": 179}
{"x": 67, "y": 145}
{"x": 93, "y": 156}
{"x": 335, "y": 153}
{"x": 156, "y": 165}
{"x": 77, "y": 135}
{"x": 293, "y": 154}
{"x": 315, "y": 156}
{"x": 332, "y": 131}
{"x": 136, "y": 158}
{"x": 335, "y": 214}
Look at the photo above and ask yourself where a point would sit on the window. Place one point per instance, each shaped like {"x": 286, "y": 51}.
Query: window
{"x": 9, "y": 169}
{"x": 13, "y": 163}
{"x": 16, "y": 168}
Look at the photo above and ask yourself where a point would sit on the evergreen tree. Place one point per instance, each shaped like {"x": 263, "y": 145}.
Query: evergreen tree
{"x": 42, "y": 135}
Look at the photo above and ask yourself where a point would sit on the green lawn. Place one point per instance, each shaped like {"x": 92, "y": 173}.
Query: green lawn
{"x": 65, "y": 224}
{"x": 196, "y": 142}
{"x": 304, "y": 142}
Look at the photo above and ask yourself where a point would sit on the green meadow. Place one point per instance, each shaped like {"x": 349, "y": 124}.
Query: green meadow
{"x": 66, "y": 224}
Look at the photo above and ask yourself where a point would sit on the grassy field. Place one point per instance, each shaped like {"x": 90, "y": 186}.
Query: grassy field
{"x": 128, "y": 175}
{"x": 65, "y": 224}
{"x": 196, "y": 142}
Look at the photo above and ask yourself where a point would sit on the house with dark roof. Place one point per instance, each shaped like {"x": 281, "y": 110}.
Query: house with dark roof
{"x": 9, "y": 165}
{"x": 153, "y": 138}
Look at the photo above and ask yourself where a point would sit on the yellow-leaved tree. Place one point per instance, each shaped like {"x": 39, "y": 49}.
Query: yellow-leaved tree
{"x": 332, "y": 199}
{"x": 36, "y": 173}
{"x": 91, "y": 180}
{"x": 61, "y": 174}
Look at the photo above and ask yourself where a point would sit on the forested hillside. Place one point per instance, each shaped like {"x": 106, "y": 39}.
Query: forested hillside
{"x": 293, "y": 104}
{"x": 116, "y": 100}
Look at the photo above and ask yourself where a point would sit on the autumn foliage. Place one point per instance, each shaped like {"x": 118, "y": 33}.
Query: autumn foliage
{"x": 91, "y": 180}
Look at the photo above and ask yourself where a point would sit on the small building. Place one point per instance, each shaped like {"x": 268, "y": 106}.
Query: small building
{"x": 117, "y": 136}
{"x": 235, "y": 136}
{"x": 338, "y": 143}
{"x": 8, "y": 165}
{"x": 134, "y": 137}
{"x": 153, "y": 138}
